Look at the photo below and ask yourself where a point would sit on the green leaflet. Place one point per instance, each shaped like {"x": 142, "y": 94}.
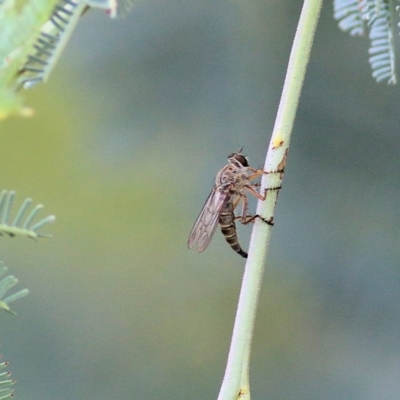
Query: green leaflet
{"x": 20, "y": 22}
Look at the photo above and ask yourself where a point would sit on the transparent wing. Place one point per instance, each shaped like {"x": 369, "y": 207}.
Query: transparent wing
{"x": 207, "y": 221}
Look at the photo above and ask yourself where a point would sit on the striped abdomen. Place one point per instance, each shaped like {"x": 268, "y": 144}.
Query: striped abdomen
{"x": 228, "y": 227}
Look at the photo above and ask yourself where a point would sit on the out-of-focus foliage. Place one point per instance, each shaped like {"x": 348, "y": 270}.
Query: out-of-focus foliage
{"x": 34, "y": 34}
{"x": 376, "y": 16}
{"x": 19, "y": 226}
{"x": 6, "y": 385}
{"x": 20, "y": 22}
{"x": 54, "y": 36}
{"x": 6, "y": 284}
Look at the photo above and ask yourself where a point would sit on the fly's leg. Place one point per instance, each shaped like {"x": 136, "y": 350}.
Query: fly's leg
{"x": 254, "y": 192}
{"x": 251, "y": 218}
{"x": 245, "y": 217}
{"x": 256, "y": 174}
{"x": 259, "y": 172}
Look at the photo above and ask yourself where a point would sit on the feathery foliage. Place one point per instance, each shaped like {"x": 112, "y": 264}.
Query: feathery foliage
{"x": 357, "y": 16}
{"x": 54, "y": 36}
{"x": 51, "y": 42}
{"x": 5, "y": 285}
{"x": 6, "y": 390}
{"x": 34, "y": 34}
{"x": 17, "y": 227}
{"x": 20, "y": 24}
{"x": 350, "y": 18}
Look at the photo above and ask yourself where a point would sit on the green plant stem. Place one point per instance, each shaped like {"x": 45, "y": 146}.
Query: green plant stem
{"x": 236, "y": 380}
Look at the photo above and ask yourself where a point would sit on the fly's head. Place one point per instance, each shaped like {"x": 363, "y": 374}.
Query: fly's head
{"x": 238, "y": 160}
{"x": 238, "y": 164}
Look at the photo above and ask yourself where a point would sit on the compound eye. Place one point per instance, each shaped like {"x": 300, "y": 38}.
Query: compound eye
{"x": 241, "y": 159}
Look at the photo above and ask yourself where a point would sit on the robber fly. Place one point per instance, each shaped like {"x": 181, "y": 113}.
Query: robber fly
{"x": 231, "y": 186}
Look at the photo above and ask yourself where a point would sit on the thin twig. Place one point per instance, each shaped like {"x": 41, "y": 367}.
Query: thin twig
{"x": 236, "y": 380}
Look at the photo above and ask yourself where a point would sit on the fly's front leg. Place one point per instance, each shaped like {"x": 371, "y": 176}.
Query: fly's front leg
{"x": 256, "y": 173}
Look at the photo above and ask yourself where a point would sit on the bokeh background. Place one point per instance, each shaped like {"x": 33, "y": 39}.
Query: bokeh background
{"x": 129, "y": 132}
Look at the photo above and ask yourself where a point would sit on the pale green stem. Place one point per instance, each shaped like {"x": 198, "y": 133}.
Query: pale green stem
{"x": 236, "y": 380}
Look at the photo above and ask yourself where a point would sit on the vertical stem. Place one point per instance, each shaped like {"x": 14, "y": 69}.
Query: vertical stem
{"x": 236, "y": 379}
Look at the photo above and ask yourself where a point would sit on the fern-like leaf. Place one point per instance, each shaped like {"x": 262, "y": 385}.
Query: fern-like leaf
{"x": 17, "y": 227}
{"x": 54, "y": 36}
{"x": 349, "y": 15}
{"x": 51, "y": 42}
{"x": 6, "y": 390}
{"x": 382, "y": 54}
{"x": 33, "y": 36}
{"x": 353, "y": 15}
{"x": 5, "y": 285}
{"x": 20, "y": 21}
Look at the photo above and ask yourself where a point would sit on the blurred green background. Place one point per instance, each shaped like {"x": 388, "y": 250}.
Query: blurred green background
{"x": 128, "y": 135}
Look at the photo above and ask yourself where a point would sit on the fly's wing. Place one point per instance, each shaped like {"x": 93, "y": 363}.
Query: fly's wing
{"x": 207, "y": 221}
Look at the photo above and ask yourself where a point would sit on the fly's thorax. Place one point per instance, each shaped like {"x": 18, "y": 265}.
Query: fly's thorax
{"x": 231, "y": 178}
